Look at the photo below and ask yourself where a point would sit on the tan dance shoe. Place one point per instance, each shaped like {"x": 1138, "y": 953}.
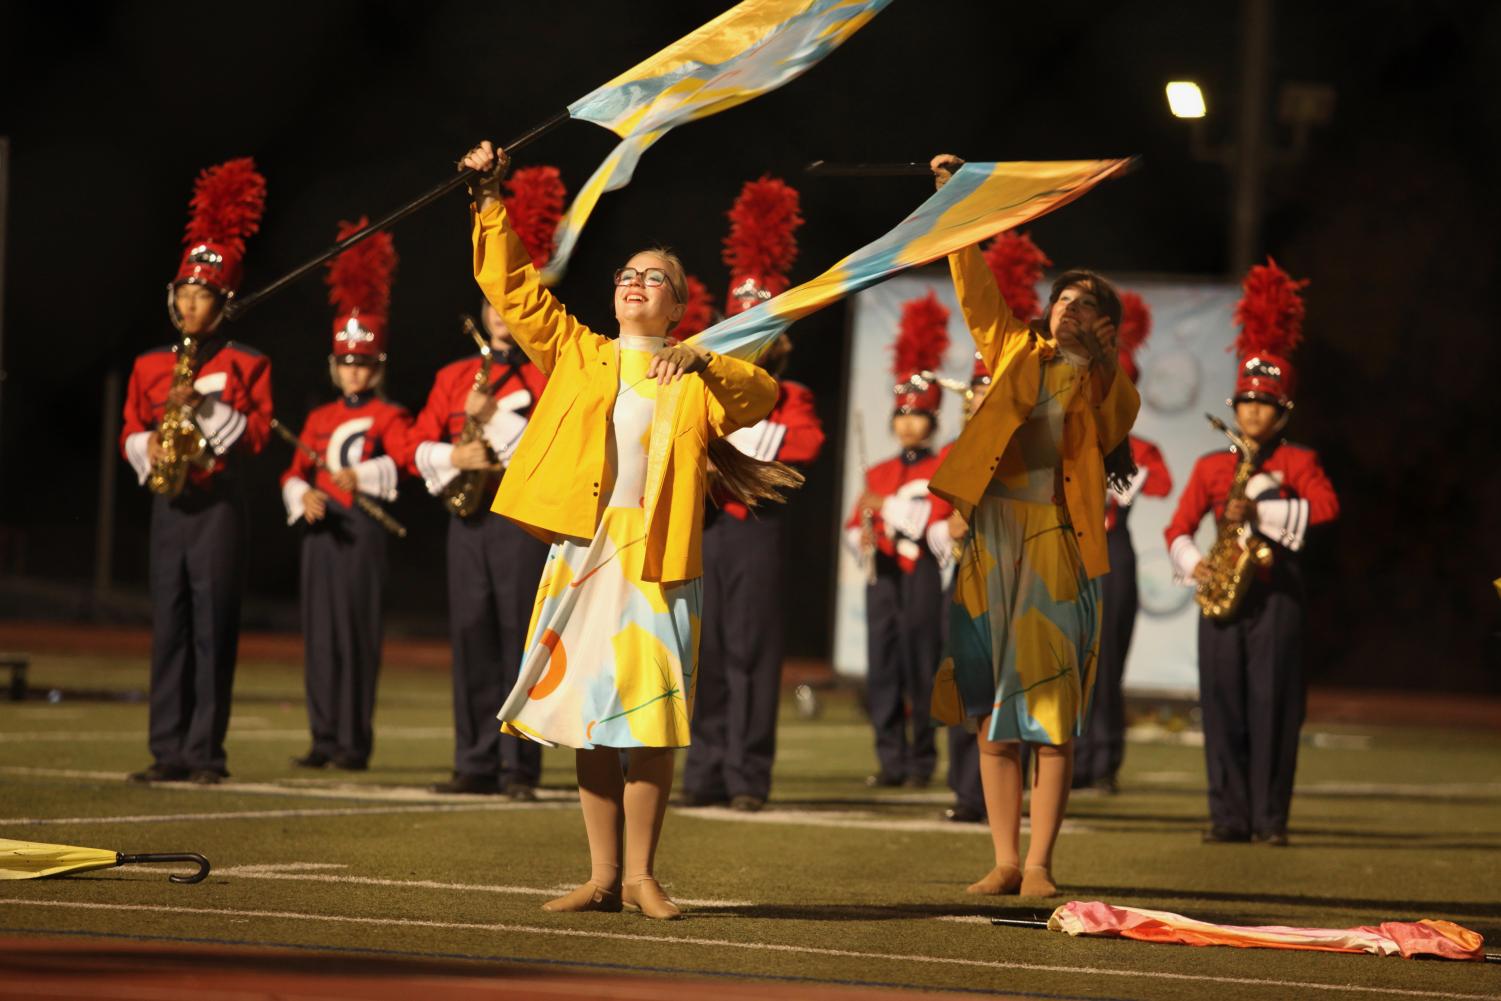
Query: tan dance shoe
{"x": 589, "y": 897}
{"x": 1003, "y": 879}
{"x": 1037, "y": 881}
{"x": 645, "y": 895}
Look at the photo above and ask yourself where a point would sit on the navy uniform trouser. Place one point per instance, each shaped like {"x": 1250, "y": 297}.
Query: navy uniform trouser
{"x": 343, "y": 584}
{"x": 904, "y": 641}
{"x": 1098, "y": 751}
{"x": 739, "y": 659}
{"x": 197, "y": 580}
{"x": 1252, "y": 695}
{"x": 494, "y": 568}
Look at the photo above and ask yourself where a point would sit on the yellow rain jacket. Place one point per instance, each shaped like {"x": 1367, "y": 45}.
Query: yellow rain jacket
{"x": 1095, "y": 422}
{"x": 553, "y": 483}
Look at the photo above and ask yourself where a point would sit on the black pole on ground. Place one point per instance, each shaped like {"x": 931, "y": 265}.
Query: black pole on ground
{"x": 239, "y": 307}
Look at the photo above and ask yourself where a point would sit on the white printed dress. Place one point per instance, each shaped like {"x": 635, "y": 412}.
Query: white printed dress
{"x": 610, "y": 659}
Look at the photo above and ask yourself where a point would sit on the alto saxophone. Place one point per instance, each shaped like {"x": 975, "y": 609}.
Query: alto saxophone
{"x": 183, "y": 443}
{"x": 465, "y": 492}
{"x": 1237, "y": 552}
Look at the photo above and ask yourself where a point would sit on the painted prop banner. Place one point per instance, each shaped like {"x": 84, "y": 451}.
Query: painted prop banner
{"x": 750, "y": 49}
{"x": 1409, "y": 939}
{"x": 979, "y": 201}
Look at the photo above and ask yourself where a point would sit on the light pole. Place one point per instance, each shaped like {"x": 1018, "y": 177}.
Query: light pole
{"x": 1301, "y": 106}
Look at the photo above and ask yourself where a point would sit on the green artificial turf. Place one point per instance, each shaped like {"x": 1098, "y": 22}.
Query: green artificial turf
{"x": 833, "y": 883}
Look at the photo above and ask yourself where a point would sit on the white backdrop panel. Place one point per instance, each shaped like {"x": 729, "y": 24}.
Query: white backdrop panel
{"x": 1186, "y": 369}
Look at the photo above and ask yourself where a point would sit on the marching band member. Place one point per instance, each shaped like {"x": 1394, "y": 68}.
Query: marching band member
{"x": 344, "y": 566}
{"x": 896, "y": 528}
{"x": 740, "y": 650}
{"x": 192, "y": 412}
{"x": 1251, "y": 684}
{"x": 613, "y": 472}
{"x": 1099, "y": 750}
{"x": 493, "y": 564}
{"x": 1029, "y": 473}
{"x": 1017, "y": 263}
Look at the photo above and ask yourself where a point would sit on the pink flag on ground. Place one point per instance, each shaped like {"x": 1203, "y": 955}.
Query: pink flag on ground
{"x": 1441, "y": 939}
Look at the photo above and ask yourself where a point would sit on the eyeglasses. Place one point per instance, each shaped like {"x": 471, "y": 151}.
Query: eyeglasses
{"x": 648, "y": 277}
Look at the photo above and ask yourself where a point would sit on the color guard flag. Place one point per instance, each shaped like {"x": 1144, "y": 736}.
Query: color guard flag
{"x": 979, "y": 201}
{"x": 754, "y": 47}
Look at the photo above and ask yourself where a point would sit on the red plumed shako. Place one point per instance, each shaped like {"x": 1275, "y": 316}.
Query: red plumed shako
{"x": 228, "y": 201}
{"x": 1135, "y": 327}
{"x": 980, "y": 374}
{"x": 921, "y": 341}
{"x": 534, "y": 198}
{"x": 359, "y": 287}
{"x": 1017, "y": 264}
{"x": 697, "y": 312}
{"x": 761, "y": 245}
{"x": 1270, "y": 316}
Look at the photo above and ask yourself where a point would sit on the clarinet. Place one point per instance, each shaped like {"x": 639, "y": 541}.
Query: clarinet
{"x": 374, "y": 510}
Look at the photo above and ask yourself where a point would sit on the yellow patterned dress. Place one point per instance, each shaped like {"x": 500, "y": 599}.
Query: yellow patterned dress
{"x": 610, "y": 658}
{"x": 1024, "y": 626}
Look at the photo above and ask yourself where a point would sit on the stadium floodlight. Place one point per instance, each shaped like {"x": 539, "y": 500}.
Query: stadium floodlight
{"x": 1185, "y": 99}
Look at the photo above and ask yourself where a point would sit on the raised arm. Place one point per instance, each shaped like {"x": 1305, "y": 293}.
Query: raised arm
{"x": 504, "y": 271}
{"x": 990, "y": 320}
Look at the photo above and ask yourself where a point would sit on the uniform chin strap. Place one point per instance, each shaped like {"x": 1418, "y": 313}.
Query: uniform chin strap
{"x": 176, "y": 317}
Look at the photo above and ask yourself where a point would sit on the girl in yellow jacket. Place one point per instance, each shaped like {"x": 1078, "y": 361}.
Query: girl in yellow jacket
{"x": 1028, "y": 474}
{"x": 611, "y": 471}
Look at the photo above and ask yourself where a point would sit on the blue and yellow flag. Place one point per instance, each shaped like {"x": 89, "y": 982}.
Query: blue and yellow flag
{"x": 753, "y": 47}
{"x": 979, "y": 201}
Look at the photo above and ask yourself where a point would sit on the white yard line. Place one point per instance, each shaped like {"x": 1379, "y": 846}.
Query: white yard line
{"x": 716, "y": 943}
{"x": 853, "y": 820}
{"x": 173, "y": 818}
{"x": 236, "y": 734}
{"x": 296, "y": 872}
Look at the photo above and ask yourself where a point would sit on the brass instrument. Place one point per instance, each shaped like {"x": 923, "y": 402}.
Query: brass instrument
{"x": 183, "y": 442}
{"x": 465, "y": 492}
{"x": 369, "y": 506}
{"x": 1237, "y": 552}
{"x": 867, "y": 516}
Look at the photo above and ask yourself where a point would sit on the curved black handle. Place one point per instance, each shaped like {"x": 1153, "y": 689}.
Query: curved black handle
{"x": 197, "y": 877}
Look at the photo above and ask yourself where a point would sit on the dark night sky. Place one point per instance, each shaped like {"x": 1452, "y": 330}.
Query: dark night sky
{"x": 350, "y": 108}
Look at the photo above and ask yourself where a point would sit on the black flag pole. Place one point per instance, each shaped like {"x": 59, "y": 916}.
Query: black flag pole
{"x": 239, "y": 307}
{"x": 823, "y": 168}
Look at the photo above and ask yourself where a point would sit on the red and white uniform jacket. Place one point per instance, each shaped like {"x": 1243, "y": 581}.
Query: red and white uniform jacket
{"x": 1152, "y": 479}
{"x": 355, "y": 432}
{"x": 1290, "y": 490}
{"x": 791, "y": 433}
{"x": 516, "y": 383}
{"x": 909, "y": 517}
{"x": 235, "y": 413}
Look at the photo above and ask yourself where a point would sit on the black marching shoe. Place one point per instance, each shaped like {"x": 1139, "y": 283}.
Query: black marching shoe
{"x": 467, "y": 785}
{"x": 158, "y": 772}
{"x": 1277, "y": 839}
{"x": 1224, "y": 835}
{"x": 345, "y": 763}
{"x": 312, "y": 759}
{"x": 918, "y": 781}
{"x": 695, "y": 800}
{"x": 747, "y": 803}
{"x": 959, "y": 813}
{"x": 207, "y": 776}
{"x": 882, "y": 780}
{"x": 521, "y": 792}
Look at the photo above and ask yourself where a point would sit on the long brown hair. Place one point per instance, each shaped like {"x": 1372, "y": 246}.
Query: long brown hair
{"x": 1120, "y": 465}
